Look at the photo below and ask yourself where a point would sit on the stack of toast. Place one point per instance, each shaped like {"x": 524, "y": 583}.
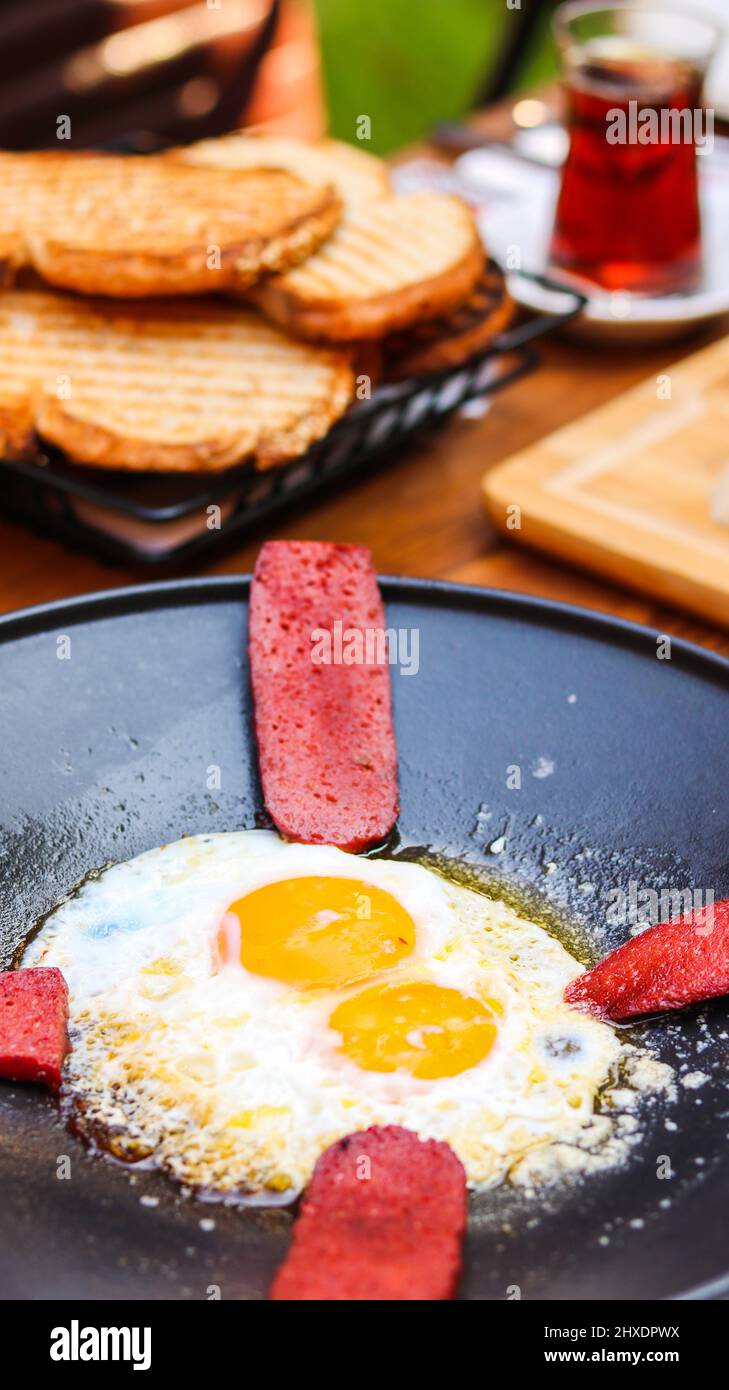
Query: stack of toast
{"x": 210, "y": 306}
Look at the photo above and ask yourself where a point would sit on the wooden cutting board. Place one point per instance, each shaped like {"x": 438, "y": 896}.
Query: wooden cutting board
{"x": 627, "y": 490}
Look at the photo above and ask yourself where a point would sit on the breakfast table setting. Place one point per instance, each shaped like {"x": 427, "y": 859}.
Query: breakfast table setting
{"x": 422, "y": 514}
{"x": 364, "y": 634}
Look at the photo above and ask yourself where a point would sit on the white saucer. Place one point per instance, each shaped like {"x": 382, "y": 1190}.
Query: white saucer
{"x": 515, "y": 206}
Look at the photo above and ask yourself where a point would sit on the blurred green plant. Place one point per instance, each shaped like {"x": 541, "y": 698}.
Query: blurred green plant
{"x": 410, "y": 63}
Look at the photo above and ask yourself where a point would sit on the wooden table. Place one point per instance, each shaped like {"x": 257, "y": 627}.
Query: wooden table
{"x": 423, "y": 515}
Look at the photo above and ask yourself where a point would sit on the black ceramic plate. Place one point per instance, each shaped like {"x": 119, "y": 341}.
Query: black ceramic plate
{"x": 104, "y": 753}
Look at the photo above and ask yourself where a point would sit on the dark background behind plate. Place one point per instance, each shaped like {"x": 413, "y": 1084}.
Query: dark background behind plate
{"x": 107, "y": 753}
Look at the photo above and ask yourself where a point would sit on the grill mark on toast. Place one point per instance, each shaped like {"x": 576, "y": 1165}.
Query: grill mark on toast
{"x": 219, "y": 377}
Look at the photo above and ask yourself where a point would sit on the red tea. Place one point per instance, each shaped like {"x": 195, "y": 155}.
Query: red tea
{"x": 628, "y": 210}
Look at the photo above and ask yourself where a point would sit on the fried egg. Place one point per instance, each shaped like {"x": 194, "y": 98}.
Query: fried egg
{"x": 237, "y": 1003}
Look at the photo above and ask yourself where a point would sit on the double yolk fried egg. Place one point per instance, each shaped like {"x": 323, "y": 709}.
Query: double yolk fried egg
{"x": 237, "y": 1003}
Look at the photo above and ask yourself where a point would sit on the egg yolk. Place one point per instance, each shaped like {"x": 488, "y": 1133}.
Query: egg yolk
{"x": 420, "y": 1028}
{"x": 322, "y": 931}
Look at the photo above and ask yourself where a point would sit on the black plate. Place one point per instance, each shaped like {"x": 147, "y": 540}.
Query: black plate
{"x": 105, "y": 753}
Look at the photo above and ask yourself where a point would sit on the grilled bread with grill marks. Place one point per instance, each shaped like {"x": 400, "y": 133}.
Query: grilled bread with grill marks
{"x": 357, "y": 176}
{"x": 162, "y": 387}
{"x": 390, "y": 263}
{"x": 449, "y": 341}
{"x": 148, "y": 226}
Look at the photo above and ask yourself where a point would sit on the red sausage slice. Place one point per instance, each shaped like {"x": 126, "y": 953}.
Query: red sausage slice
{"x": 666, "y": 967}
{"x": 326, "y": 745}
{"x": 33, "y": 1025}
{"x": 382, "y": 1219}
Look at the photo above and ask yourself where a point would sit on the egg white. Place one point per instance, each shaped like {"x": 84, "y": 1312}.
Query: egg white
{"x": 234, "y": 1083}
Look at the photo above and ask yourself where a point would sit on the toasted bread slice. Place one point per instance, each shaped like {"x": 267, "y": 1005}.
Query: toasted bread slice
{"x": 161, "y": 387}
{"x": 449, "y": 341}
{"x": 390, "y": 263}
{"x": 357, "y": 176}
{"x": 141, "y": 226}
